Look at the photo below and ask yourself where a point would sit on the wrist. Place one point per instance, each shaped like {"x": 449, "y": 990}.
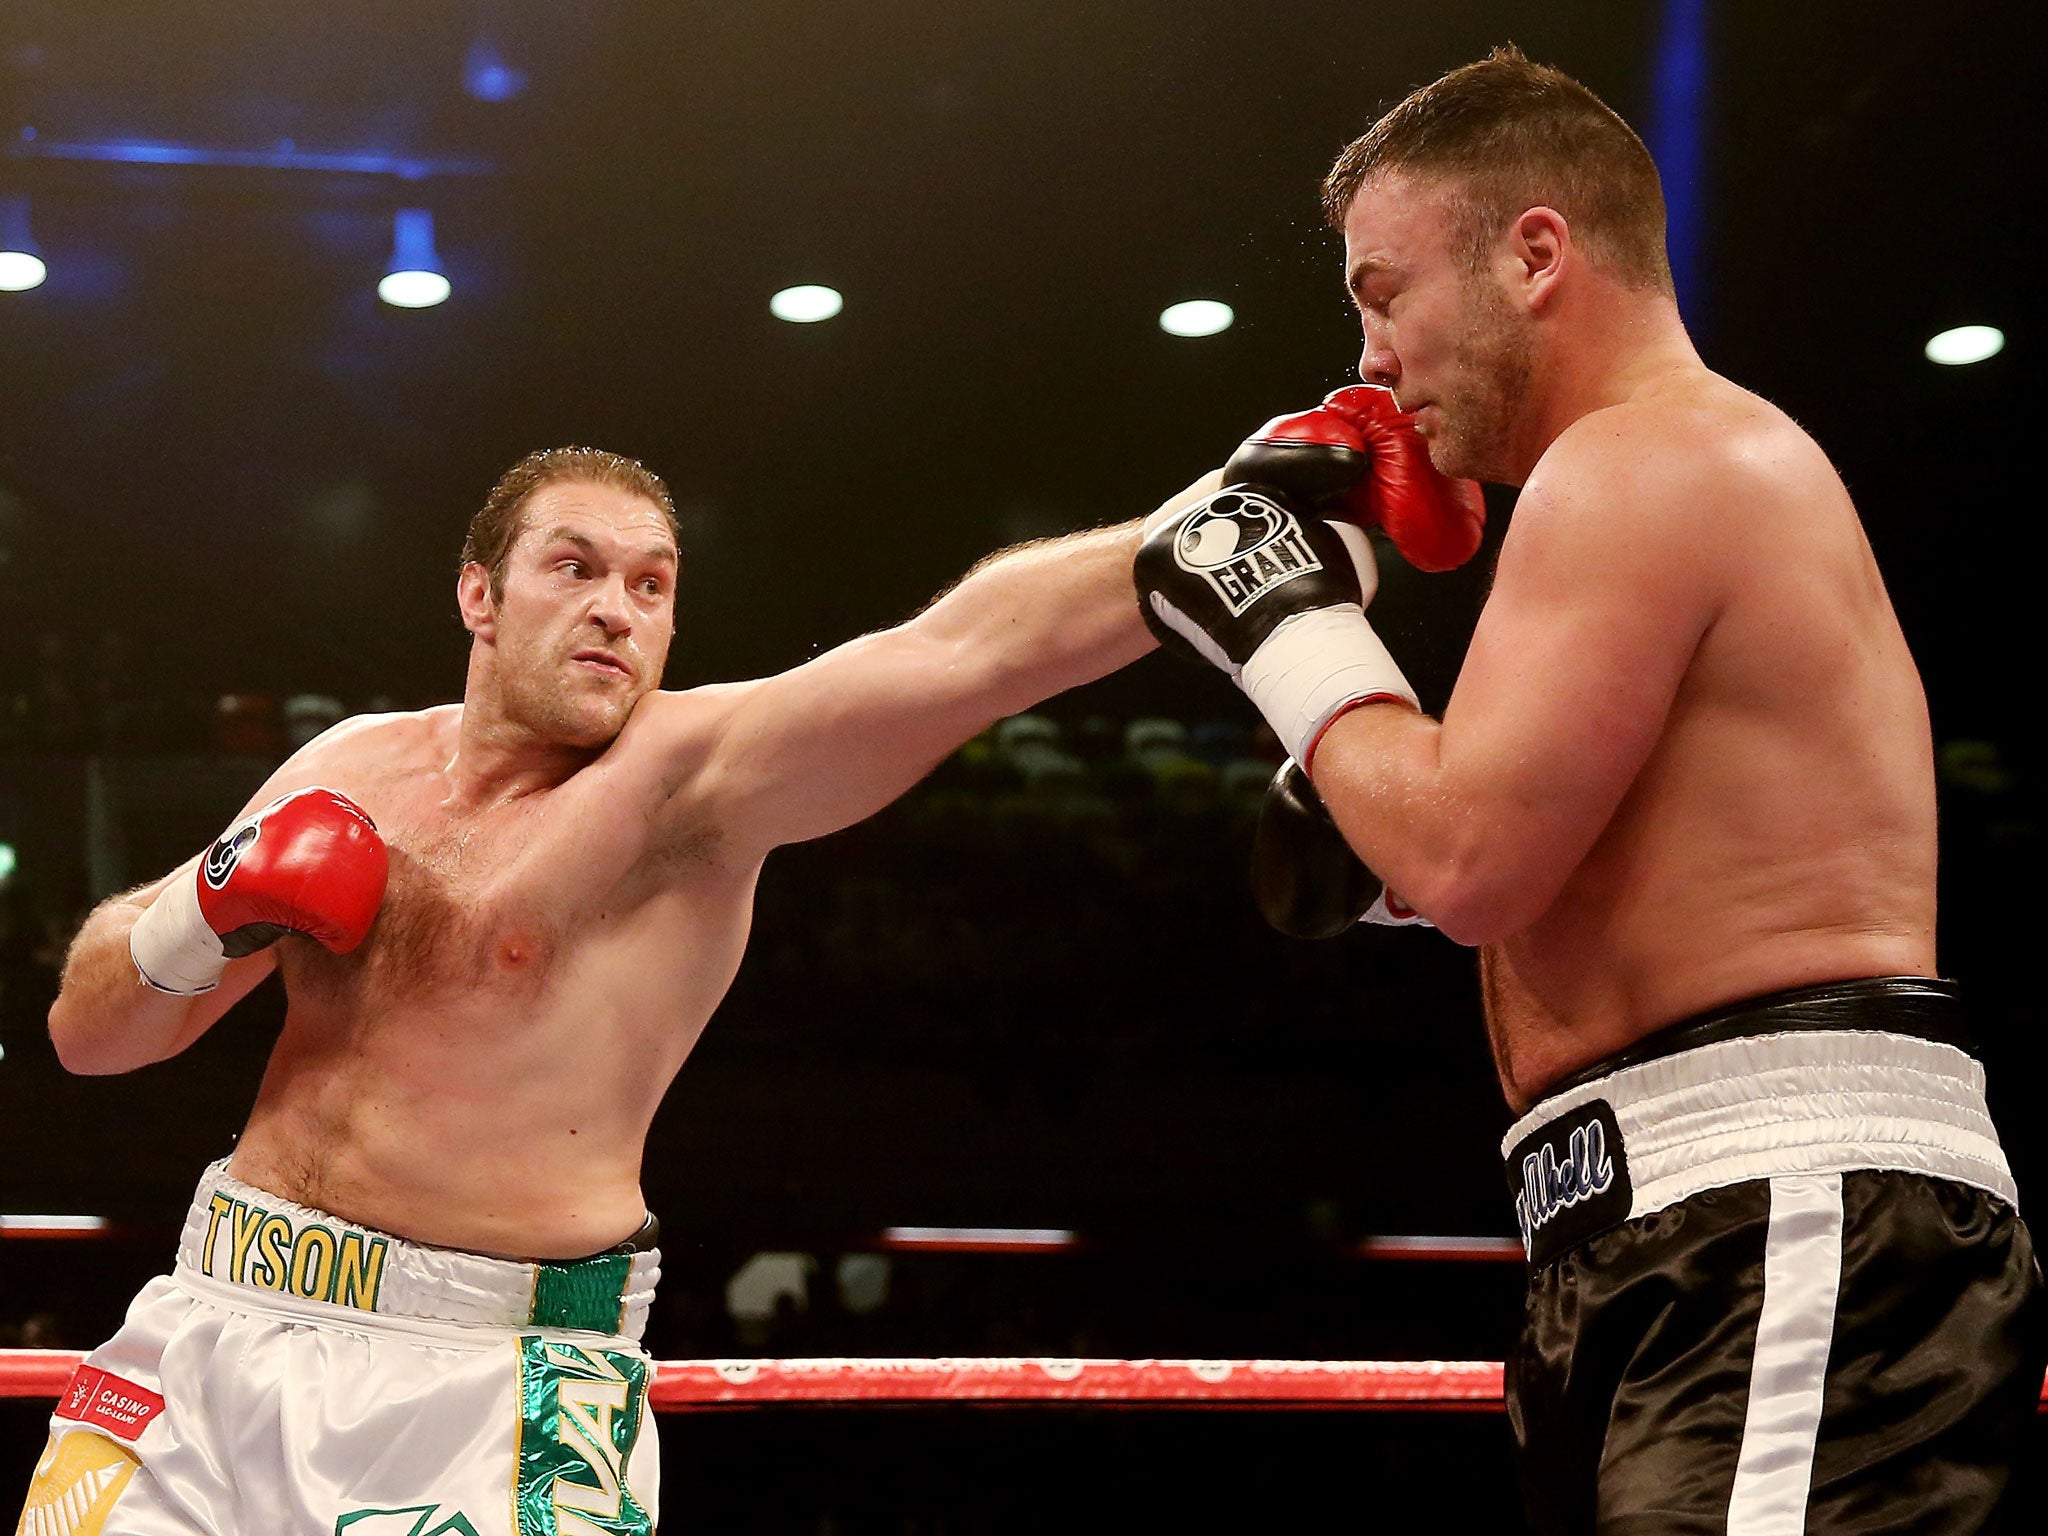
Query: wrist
{"x": 174, "y": 949}
{"x": 1314, "y": 667}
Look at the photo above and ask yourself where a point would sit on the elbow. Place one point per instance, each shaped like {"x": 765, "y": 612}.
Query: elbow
{"x": 77, "y": 1057}
{"x": 1475, "y": 900}
{"x": 971, "y": 672}
{"x": 75, "y": 1053}
{"x": 1000, "y": 680}
{"x": 85, "y": 1052}
{"x": 1471, "y": 918}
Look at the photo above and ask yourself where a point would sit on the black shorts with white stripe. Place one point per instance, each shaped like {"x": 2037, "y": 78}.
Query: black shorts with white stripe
{"x": 1779, "y": 1283}
{"x": 1653, "y": 1391}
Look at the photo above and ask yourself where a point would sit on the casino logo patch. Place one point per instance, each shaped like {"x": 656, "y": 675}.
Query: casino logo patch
{"x": 1243, "y": 545}
{"x": 224, "y": 855}
{"x": 76, "y": 1485}
{"x": 121, "y": 1407}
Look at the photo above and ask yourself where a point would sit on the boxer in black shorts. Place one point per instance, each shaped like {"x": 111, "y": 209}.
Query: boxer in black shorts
{"x": 1682, "y": 800}
{"x": 1777, "y": 1282}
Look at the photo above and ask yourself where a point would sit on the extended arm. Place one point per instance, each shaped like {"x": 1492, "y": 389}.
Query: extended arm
{"x": 820, "y": 747}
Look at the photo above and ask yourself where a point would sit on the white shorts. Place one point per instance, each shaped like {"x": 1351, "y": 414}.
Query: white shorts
{"x": 297, "y": 1375}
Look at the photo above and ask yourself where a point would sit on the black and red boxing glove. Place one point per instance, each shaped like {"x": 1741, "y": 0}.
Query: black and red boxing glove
{"x": 1357, "y": 457}
{"x": 311, "y": 863}
{"x": 1275, "y": 600}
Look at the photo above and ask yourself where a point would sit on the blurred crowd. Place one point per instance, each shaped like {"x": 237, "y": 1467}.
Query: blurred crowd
{"x": 74, "y": 695}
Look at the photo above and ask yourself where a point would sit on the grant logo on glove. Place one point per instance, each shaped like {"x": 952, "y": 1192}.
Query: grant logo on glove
{"x": 1243, "y": 545}
{"x": 224, "y": 855}
{"x": 308, "y": 863}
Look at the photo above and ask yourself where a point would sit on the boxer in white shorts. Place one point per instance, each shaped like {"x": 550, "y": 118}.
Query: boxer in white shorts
{"x": 501, "y": 926}
{"x": 381, "y": 1388}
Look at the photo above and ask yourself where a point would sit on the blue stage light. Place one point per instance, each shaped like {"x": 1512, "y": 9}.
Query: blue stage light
{"x": 487, "y": 74}
{"x": 415, "y": 279}
{"x": 21, "y": 260}
{"x": 1678, "y": 143}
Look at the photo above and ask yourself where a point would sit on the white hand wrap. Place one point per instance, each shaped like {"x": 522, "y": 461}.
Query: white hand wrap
{"x": 1313, "y": 667}
{"x": 172, "y": 945}
{"x": 1390, "y": 911}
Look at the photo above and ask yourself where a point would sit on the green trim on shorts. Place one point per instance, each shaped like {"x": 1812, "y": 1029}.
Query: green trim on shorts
{"x": 580, "y": 1412}
{"x": 589, "y": 1294}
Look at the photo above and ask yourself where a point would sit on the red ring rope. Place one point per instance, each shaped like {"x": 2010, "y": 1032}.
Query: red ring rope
{"x": 689, "y": 1384}
{"x": 681, "y": 1385}
{"x": 1465, "y": 1384}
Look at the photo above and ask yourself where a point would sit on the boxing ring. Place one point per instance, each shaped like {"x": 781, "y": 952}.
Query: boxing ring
{"x": 684, "y": 1386}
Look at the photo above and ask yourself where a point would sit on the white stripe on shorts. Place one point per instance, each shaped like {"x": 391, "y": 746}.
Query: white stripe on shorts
{"x": 1802, "y": 1277}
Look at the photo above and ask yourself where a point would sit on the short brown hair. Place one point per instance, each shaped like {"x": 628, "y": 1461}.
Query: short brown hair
{"x": 495, "y": 528}
{"x": 1513, "y": 135}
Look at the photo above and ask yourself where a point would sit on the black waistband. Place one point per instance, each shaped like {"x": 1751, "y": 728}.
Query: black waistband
{"x": 1901, "y": 1005}
{"x": 1569, "y": 1178}
{"x": 642, "y": 1241}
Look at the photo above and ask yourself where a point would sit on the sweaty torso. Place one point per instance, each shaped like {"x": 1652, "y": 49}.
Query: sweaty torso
{"x": 481, "y": 1072}
{"x": 1782, "y": 831}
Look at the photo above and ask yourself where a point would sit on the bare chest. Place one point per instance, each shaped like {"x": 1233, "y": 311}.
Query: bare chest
{"x": 499, "y": 902}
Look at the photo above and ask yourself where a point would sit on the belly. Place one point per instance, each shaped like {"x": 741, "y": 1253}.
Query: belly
{"x": 552, "y": 1191}
{"x": 506, "y": 1117}
{"x": 1623, "y": 953}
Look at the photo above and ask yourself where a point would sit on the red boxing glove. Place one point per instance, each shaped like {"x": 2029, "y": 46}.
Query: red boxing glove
{"x": 1436, "y": 522}
{"x": 1358, "y": 458}
{"x": 310, "y": 863}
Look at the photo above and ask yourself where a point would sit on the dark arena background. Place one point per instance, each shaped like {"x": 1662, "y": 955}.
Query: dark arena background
{"x": 1013, "y": 1069}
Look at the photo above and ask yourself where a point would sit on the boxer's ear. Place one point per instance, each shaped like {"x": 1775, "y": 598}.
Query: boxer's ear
{"x": 473, "y": 598}
{"x": 1541, "y": 244}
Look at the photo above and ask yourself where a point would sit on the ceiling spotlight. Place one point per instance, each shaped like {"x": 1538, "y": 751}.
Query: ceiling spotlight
{"x": 1196, "y": 317}
{"x": 806, "y": 304}
{"x": 415, "y": 279}
{"x": 1966, "y": 344}
{"x": 21, "y": 261}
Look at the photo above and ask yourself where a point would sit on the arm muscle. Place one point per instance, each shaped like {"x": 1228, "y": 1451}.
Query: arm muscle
{"x": 820, "y": 747}
{"x": 1606, "y": 583}
{"x": 106, "y": 1019}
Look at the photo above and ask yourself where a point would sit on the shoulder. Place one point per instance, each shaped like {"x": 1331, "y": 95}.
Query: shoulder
{"x": 364, "y": 755}
{"x": 1689, "y": 459}
{"x": 380, "y": 740}
{"x": 674, "y": 715}
{"x": 679, "y": 736}
{"x": 1651, "y": 502}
